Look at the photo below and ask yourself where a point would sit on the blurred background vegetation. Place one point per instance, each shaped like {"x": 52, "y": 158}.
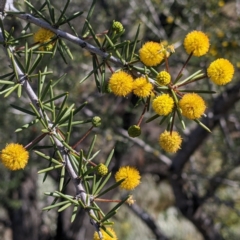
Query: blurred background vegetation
{"x": 206, "y": 204}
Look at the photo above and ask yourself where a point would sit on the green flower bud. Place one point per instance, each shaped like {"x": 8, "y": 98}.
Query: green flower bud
{"x": 117, "y": 26}
{"x": 102, "y": 169}
{"x": 134, "y": 131}
{"x": 96, "y": 121}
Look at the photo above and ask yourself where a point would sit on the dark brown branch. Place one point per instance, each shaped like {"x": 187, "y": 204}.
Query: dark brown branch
{"x": 191, "y": 206}
{"x": 149, "y": 221}
{"x": 222, "y": 104}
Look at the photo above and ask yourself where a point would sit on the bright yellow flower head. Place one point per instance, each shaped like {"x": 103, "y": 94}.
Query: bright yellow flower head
{"x": 43, "y": 36}
{"x": 141, "y": 87}
{"x": 163, "y": 104}
{"x": 131, "y": 176}
{"x": 105, "y": 235}
{"x": 170, "y": 141}
{"x": 163, "y": 78}
{"x": 220, "y": 71}
{"x": 192, "y": 106}
{"x": 14, "y": 156}
{"x": 151, "y": 53}
{"x": 121, "y": 83}
{"x": 196, "y": 42}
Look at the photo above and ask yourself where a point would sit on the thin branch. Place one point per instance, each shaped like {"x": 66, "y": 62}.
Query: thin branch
{"x": 76, "y": 40}
{"x": 190, "y": 206}
{"x": 149, "y": 221}
{"x": 147, "y": 148}
{"x": 80, "y": 191}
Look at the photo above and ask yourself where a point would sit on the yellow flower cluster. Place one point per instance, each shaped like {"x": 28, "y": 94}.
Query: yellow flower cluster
{"x": 105, "y": 235}
{"x": 170, "y": 97}
{"x": 220, "y": 71}
{"x": 130, "y": 175}
{"x": 192, "y": 106}
{"x": 122, "y": 83}
{"x": 151, "y": 53}
{"x": 163, "y": 78}
{"x": 43, "y": 36}
{"x": 163, "y": 104}
{"x": 141, "y": 87}
{"x": 14, "y": 156}
{"x": 170, "y": 141}
{"x": 197, "y": 43}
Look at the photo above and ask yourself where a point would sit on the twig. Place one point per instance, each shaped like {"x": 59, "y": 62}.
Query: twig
{"x": 80, "y": 191}
{"x": 145, "y": 147}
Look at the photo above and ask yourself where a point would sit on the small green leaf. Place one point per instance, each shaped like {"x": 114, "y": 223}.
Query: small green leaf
{"x": 196, "y": 91}
{"x": 68, "y": 20}
{"x": 62, "y": 177}
{"x": 90, "y": 12}
{"x": 64, "y": 207}
{"x": 202, "y": 125}
{"x": 49, "y": 169}
{"x": 67, "y": 197}
{"x": 57, "y": 97}
{"x": 65, "y": 48}
{"x": 55, "y": 205}
{"x": 51, "y": 159}
{"x": 35, "y": 64}
{"x": 38, "y": 13}
{"x": 7, "y": 82}
{"x": 134, "y": 44}
{"x": 28, "y": 57}
{"x": 74, "y": 213}
{"x": 91, "y": 146}
{"x": 115, "y": 185}
{"x": 114, "y": 210}
{"x": 55, "y": 82}
{"x": 26, "y": 126}
{"x": 58, "y": 23}
{"x": 109, "y": 158}
{"x": 23, "y": 110}
{"x": 98, "y": 189}
{"x": 152, "y": 118}
{"x": 11, "y": 90}
{"x": 45, "y": 91}
{"x": 19, "y": 90}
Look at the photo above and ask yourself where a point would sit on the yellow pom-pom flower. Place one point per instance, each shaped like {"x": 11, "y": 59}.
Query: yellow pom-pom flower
{"x": 141, "y": 87}
{"x": 197, "y": 43}
{"x": 170, "y": 141}
{"x": 105, "y": 235}
{"x": 163, "y": 78}
{"x": 192, "y": 106}
{"x": 130, "y": 175}
{"x": 43, "y": 36}
{"x": 220, "y": 71}
{"x": 163, "y": 104}
{"x": 151, "y": 53}
{"x": 121, "y": 83}
{"x": 14, "y": 156}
